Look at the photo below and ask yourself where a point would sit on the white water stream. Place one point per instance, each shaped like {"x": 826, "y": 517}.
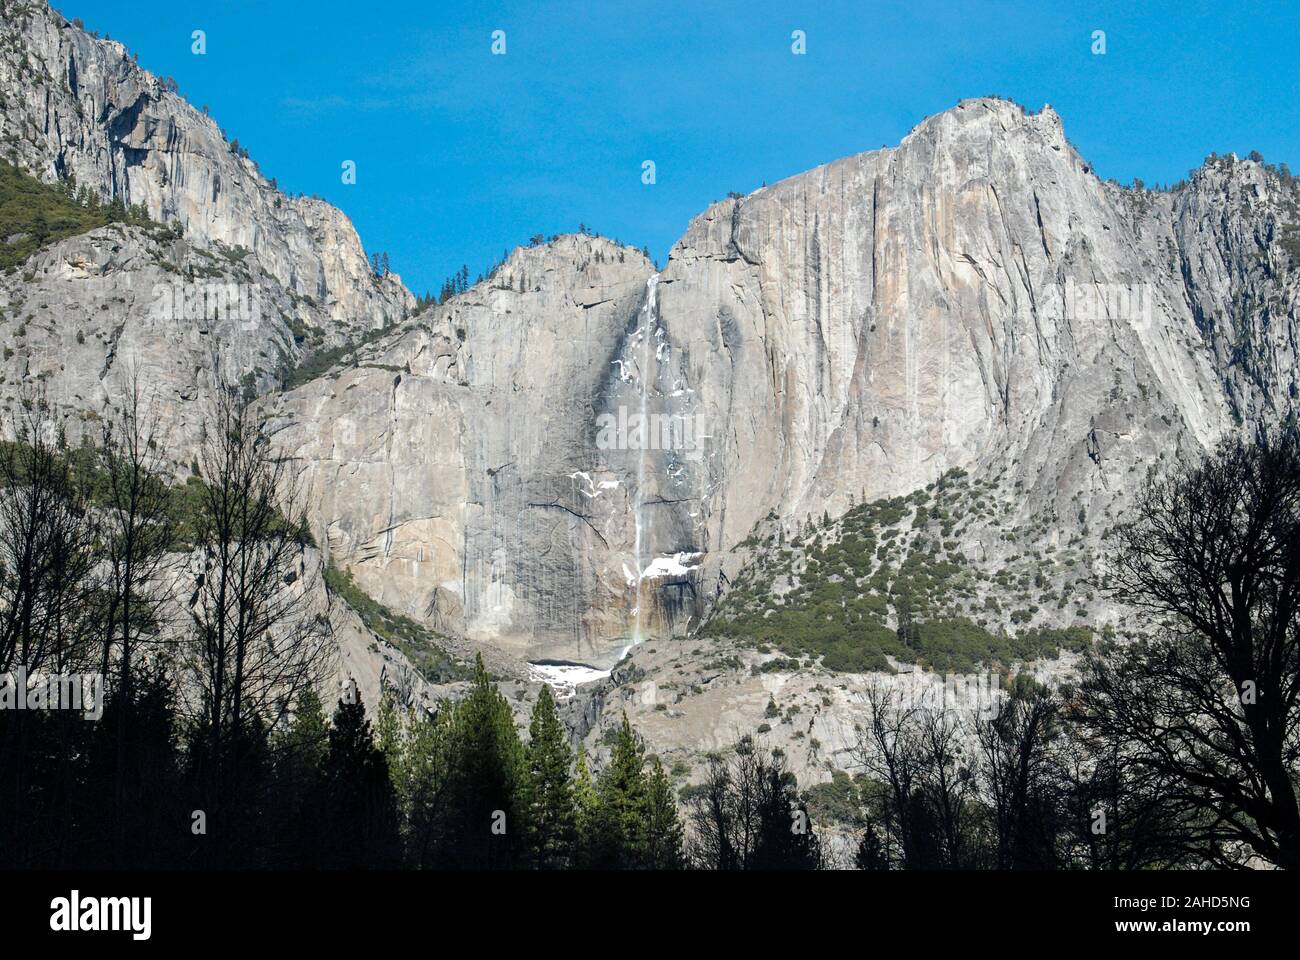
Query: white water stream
{"x": 648, "y": 354}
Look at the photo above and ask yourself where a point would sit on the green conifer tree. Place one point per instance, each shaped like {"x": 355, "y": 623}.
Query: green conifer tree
{"x": 617, "y": 838}
{"x": 301, "y": 750}
{"x": 662, "y": 831}
{"x": 388, "y": 727}
{"x": 419, "y": 779}
{"x": 870, "y": 854}
{"x": 786, "y": 840}
{"x": 362, "y": 825}
{"x": 548, "y": 789}
{"x": 585, "y": 804}
{"x": 484, "y": 769}
{"x": 305, "y": 743}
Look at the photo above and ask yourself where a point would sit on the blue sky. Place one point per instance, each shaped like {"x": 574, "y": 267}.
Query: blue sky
{"x": 461, "y": 154}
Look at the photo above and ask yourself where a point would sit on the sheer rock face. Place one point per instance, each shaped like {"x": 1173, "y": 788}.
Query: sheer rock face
{"x": 254, "y": 281}
{"x": 86, "y": 317}
{"x": 975, "y": 297}
{"x": 1236, "y": 231}
{"x": 455, "y": 465}
{"x": 87, "y": 314}
{"x": 889, "y": 316}
{"x": 76, "y": 105}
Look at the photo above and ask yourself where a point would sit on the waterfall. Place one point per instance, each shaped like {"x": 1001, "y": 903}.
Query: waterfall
{"x": 647, "y": 379}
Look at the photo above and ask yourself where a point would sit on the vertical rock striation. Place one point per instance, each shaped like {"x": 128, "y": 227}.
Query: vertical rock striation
{"x": 572, "y": 455}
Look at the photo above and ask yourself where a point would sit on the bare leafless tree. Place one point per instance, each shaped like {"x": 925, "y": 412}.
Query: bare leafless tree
{"x": 926, "y": 812}
{"x": 948, "y": 786}
{"x": 138, "y": 528}
{"x": 255, "y": 644}
{"x": 48, "y": 599}
{"x": 1208, "y": 709}
{"x": 709, "y": 816}
{"x": 888, "y": 752}
{"x": 746, "y": 815}
{"x": 48, "y": 591}
{"x": 1020, "y": 778}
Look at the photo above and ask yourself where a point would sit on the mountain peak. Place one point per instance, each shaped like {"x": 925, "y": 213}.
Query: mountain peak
{"x": 994, "y": 114}
{"x": 78, "y": 106}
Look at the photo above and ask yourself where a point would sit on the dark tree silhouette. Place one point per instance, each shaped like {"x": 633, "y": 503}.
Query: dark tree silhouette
{"x": 253, "y": 647}
{"x": 361, "y": 814}
{"x": 47, "y": 539}
{"x": 1021, "y": 778}
{"x": 747, "y": 814}
{"x": 1206, "y": 710}
{"x": 136, "y": 536}
{"x": 48, "y": 625}
{"x": 547, "y": 793}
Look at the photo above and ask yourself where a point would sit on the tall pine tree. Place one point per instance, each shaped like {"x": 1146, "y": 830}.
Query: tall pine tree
{"x": 786, "y": 840}
{"x": 548, "y": 789}
{"x": 301, "y": 752}
{"x": 484, "y": 820}
{"x": 662, "y": 832}
{"x": 362, "y": 824}
{"x": 617, "y": 835}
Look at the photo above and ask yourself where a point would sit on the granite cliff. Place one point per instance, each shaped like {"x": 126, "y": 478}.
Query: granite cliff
{"x": 975, "y": 298}
{"x": 581, "y": 454}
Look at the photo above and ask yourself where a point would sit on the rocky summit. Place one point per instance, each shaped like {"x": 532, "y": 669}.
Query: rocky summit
{"x": 576, "y": 454}
{"x": 945, "y": 363}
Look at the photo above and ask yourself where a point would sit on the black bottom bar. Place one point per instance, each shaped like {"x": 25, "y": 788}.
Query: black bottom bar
{"x": 927, "y": 909}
